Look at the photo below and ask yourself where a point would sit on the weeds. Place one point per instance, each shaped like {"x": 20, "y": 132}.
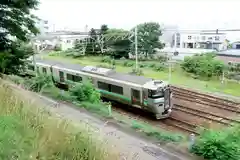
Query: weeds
{"x": 157, "y": 133}
{"x": 221, "y": 144}
{"x": 28, "y": 132}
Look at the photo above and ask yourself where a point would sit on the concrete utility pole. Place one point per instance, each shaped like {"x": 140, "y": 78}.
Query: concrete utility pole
{"x": 136, "y": 48}
{"x": 85, "y": 43}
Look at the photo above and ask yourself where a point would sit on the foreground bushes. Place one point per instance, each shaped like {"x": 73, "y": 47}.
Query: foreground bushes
{"x": 81, "y": 94}
{"x": 31, "y": 133}
{"x": 221, "y": 144}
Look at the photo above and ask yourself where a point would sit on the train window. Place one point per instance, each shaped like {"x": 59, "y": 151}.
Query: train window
{"x": 155, "y": 94}
{"x": 74, "y": 78}
{"x": 61, "y": 76}
{"x": 77, "y": 79}
{"x": 116, "y": 89}
{"x": 103, "y": 86}
{"x": 44, "y": 70}
{"x": 31, "y": 67}
{"x": 69, "y": 77}
{"x": 136, "y": 94}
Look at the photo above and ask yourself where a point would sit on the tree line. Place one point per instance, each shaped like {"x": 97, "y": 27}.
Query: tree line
{"x": 119, "y": 42}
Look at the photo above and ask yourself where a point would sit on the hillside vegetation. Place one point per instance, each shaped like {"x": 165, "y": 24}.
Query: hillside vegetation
{"x": 28, "y": 132}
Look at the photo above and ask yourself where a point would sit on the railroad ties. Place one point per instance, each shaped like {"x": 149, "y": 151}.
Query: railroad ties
{"x": 192, "y": 110}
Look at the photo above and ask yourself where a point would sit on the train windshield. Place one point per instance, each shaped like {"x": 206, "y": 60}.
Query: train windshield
{"x": 155, "y": 94}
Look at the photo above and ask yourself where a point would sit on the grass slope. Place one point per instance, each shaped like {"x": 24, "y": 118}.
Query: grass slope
{"x": 28, "y": 132}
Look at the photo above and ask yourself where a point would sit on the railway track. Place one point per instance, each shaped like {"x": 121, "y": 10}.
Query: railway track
{"x": 205, "y": 99}
{"x": 181, "y": 124}
{"x": 206, "y": 115}
{"x": 172, "y": 123}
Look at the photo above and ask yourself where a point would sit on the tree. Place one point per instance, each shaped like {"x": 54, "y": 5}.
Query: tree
{"x": 93, "y": 41}
{"x": 117, "y": 42}
{"x": 103, "y": 29}
{"x": 16, "y": 22}
{"x": 148, "y": 38}
{"x": 101, "y": 40}
{"x": 203, "y": 65}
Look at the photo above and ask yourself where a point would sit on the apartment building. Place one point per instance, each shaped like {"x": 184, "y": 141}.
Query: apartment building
{"x": 201, "y": 40}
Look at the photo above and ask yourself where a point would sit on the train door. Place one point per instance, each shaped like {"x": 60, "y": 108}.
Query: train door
{"x": 136, "y": 98}
{"x": 61, "y": 76}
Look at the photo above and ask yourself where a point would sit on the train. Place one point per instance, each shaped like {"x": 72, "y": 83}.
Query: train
{"x": 154, "y": 96}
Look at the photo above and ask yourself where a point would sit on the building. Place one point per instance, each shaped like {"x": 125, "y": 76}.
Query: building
{"x": 236, "y": 45}
{"x": 43, "y": 26}
{"x": 167, "y": 34}
{"x": 199, "y": 40}
{"x": 63, "y": 39}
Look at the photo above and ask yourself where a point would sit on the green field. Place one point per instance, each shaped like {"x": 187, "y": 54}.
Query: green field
{"x": 178, "y": 77}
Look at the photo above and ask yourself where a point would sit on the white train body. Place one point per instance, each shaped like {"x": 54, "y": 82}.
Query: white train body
{"x": 137, "y": 91}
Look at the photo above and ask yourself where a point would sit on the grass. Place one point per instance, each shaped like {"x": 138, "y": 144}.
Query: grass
{"x": 101, "y": 109}
{"x": 28, "y": 132}
{"x": 178, "y": 77}
{"x": 154, "y": 132}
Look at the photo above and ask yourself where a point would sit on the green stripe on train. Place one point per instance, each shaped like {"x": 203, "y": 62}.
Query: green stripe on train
{"x": 115, "y": 95}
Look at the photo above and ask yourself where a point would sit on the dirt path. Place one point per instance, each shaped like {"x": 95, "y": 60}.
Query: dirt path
{"x": 129, "y": 146}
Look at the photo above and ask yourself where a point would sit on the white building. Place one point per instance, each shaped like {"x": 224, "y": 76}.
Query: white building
{"x": 202, "y": 40}
{"x": 63, "y": 39}
{"x": 43, "y": 26}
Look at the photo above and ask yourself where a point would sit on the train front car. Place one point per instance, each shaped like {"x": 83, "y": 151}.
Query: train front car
{"x": 158, "y": 98}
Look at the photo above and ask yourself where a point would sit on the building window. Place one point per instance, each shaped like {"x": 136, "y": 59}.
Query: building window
{"x": 217, "y": 38}
{"x": 189, "y": 37}
{"x": 210, "y": 38}
{"x": 103, "y": 86}
{"x": 117, "y": 89}
{"x": 44, "y": 70}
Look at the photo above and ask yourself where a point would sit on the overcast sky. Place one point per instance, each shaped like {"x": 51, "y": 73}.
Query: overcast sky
{"x": 187, "y": 14}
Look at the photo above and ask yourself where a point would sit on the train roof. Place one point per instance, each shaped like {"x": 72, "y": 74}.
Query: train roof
{"x": 141, "y": 80}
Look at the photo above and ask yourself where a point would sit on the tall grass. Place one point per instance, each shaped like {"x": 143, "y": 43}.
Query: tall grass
{"x": 29, "y": 132}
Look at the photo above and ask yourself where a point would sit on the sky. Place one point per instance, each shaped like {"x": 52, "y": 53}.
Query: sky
{"x": 187, "y": 14}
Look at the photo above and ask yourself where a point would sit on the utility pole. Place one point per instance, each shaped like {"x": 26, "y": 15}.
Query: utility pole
{"x": 136, "y": 48}
{"x": 85, "y": 43}
{"x": 170, "y": 58}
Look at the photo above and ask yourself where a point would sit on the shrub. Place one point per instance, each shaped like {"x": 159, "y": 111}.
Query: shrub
{"x": 106, "y": 59}
{"x": 142, "y": 65}
{"x": 203, "y": 65}
{"x": 135, "y": 71}
{"x": 221, "y": 144}
{"x": 85, "y": 92}
{"x": 152, "y": 65}
{"x": 38, "y": 83}
{"x": 159, "y": 67}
